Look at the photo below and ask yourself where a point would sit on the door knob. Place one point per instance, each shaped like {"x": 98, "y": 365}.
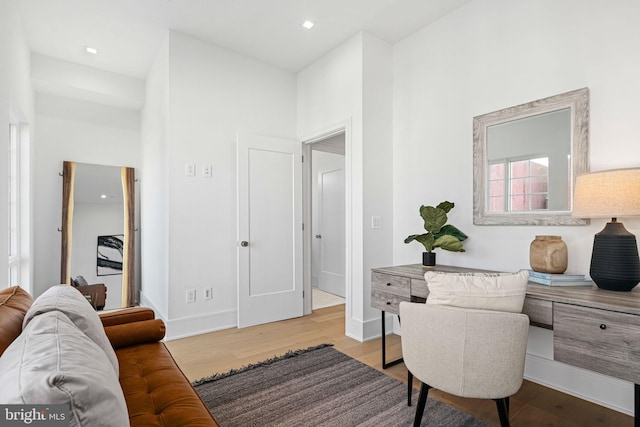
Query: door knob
{"x": 318, "y": 236}
{"x": 244, "y": 243}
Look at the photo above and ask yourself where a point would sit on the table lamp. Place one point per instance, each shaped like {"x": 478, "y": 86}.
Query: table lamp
{"x": 611, "y": 194}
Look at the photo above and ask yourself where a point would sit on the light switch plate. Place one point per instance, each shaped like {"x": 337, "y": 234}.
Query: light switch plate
{"x": 376, "y": 222}
{"x": 190, "y": 169}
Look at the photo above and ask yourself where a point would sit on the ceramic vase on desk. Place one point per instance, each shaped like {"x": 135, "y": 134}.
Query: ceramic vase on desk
{"x": 548, "y": 254}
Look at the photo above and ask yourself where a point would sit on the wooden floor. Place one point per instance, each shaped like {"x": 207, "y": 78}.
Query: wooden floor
{"x": 533, "y": 405}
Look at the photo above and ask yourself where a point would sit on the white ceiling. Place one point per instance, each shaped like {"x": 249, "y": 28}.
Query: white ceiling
{"x": 128, "y": 33}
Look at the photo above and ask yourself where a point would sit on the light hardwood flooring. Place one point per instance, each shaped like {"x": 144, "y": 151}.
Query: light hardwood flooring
{"x": 322, "y": 299}
{"x": 533, "y": 405}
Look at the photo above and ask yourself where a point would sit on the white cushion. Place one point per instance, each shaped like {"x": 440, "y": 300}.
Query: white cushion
{"x": 53, "y": 362}
{"x": 74, "y": 305}
{"x": 485, "y": 291}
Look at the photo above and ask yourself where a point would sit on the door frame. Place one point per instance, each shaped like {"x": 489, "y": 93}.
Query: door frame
{"x": 307, "y": 181}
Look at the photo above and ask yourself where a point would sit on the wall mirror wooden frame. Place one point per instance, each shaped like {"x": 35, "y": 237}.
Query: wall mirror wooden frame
{"x": 526, "y": 134}
{"x": 69, "y": 193}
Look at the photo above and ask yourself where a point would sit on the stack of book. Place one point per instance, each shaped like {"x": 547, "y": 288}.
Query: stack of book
{"x": 565, "y": 279}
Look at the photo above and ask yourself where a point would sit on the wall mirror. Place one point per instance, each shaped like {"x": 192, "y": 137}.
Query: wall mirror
{"x": 98, "y": 211}
{"x": 525, "y": 159}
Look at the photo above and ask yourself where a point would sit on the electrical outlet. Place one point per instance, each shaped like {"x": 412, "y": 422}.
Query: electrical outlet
{"x": 191, "y": 296}
{"x": 190, "y": 169}
{"x": 207, "y": 171}
{"x": 376, "y": 222}
{"x": 208, "y": 293}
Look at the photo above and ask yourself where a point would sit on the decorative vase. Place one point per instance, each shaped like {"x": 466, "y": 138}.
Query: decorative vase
{"x": 429, "y": 259}
{"x": 548, "y": 254}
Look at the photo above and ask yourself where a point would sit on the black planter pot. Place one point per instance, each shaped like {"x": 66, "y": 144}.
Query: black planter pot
{"x": 429, "y": 259}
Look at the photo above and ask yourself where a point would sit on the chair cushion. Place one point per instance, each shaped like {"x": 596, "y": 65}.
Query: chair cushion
{"x": 66, "y": 299}
{"x": 485, "y": 291}
{"x": 14, "y": 303}
{"x": 54, "y": 362}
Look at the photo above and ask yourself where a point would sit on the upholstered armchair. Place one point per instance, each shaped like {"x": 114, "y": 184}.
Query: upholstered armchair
{"x": 465, "y": 352}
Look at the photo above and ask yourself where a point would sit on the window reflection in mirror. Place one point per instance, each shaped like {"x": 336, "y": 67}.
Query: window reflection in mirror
{"x": 525, "y": 186}
{"x": 528, "y": 167}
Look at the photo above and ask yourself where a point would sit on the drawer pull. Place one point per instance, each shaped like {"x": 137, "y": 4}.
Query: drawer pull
{"x": 388, "y": 284}
{"x": 388, "y": 302}
{"x": 603, "y": 326}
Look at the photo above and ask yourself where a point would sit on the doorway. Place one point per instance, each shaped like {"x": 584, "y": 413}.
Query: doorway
{"x": 327, "y": 207}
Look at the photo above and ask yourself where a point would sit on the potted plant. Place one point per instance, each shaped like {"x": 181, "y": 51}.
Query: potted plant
{"x": 438, "y": 234}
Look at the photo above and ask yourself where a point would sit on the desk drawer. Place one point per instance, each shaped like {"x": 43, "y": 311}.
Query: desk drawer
{"x": 599, "y": 340}
{"x": 419, "y": 288}
{"x": 540, "y": 312}
{"x": 390, "y": 284}
{"x": 386, "y": 301}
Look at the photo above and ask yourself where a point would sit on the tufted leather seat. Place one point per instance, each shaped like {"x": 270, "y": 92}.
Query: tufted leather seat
{"x": 156, "y": 391}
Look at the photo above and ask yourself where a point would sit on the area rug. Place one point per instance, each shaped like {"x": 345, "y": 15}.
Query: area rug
{"x": 318, "y": 386}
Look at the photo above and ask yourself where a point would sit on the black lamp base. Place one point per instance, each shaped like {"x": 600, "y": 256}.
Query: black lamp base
{"x": 615, "y": 265}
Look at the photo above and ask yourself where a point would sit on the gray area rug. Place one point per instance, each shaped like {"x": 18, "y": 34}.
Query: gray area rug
{"x": 318, "y": 386}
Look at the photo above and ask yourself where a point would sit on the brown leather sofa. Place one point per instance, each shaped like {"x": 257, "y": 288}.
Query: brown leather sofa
{"x": 155, "y": 390}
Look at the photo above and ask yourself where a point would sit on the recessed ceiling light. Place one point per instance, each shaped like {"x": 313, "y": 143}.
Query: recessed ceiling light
{"x": 308, "y": 24}
{"x": 104, "y": 196}
{"x": 91, "y": 50}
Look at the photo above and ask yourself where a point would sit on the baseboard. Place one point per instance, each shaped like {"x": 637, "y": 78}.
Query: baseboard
{"x": 588, "y": 385}
{"x": 193, "y": 325}
{"x": 372, "y": 329}
{"x": 202, "y": 324}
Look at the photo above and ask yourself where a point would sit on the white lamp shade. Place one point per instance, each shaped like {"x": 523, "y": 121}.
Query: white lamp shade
{"x": 607, "y": 194}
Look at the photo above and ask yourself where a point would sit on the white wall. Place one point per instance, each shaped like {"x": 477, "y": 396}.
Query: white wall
{"x": 377, "y": 169}
{"x": 154, "y": 186}
{"x": 213, "y": 94}
{"x": 77, "y": 131}
{"x": 493, "y": 54}
{"x": 352, "y": 85}
{"x": 16, "y": 106}
{"x": 330, "y": 95}
{"x": 63, "y": 78}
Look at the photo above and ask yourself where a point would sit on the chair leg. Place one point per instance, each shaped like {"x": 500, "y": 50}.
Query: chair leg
{"x": 409, "y": 386}
{"x": 422, "y": 401}
{"x": 503, "y": 411}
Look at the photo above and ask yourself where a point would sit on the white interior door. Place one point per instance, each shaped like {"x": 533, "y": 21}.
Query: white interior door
{"x": 330, "y": 233}
{"x": 269, "y": 229}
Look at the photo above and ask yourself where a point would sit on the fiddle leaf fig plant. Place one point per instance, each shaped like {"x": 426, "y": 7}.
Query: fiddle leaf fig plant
{"x": 438, "y": 235}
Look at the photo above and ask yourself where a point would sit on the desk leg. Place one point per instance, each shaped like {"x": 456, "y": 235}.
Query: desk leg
{"x": 636, "y": 405}
{"x": 385, "y": 365}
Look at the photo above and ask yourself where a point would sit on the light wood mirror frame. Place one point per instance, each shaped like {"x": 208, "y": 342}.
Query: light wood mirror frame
{"x": 578, "y": 102}
{"x": 128, "y": 271}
